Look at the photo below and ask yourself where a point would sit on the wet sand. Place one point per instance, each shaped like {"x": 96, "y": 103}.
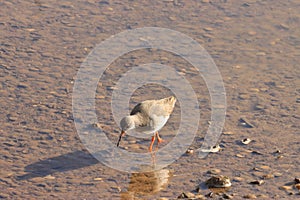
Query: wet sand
{"x": 255, "y": 44}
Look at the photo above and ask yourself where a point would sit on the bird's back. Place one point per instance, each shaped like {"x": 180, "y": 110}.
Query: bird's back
{"x": 161, "y": 107}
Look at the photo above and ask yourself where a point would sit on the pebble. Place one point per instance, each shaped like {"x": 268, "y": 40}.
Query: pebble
{"x": 260, "y": 53}
{"x": 188, "y": 195}
{"x": 244, "y": 122}
{"x": 279, "y": 157}
{"x": 252, "y": 33}
{"x": 265, "y": 167}
{"x": 277, "y": 174}
{"x": 228, "y": 133}
{"x": 257, "y": 182}
{"x": 259, "y": 107}
{"x": 208, "y": 29}
{"x": 214, "y": 171}
{"x": 244, "y": 96}
{"x": 240, "y": 155}
{"x": 238, "y": 179}
{"x": 12, "y": 118}
{"x": 254, "y": 90}
{"x": 284, "y": 26}
{"x": 190, "y": 151}
{"x": 163, "y": 198}
{"x": 4, "y": 196}
{"x": 250, "y": 196}
{"x": 98, "y": 179}
{"x": 246, "y": 141}
{"x": 227, "y": 196}
{"x": 49, "y": 177}
{"x": 199, "y": 197}
{"x": 297, "y": 186}
{"x": 262, "y": 196}
{"x": 297, "y": 180}
{"x": 268, "y": 176}
{"x": 45, "y": 131}
{"x": 213, "y": 149}
{"x": 286, "y": 187}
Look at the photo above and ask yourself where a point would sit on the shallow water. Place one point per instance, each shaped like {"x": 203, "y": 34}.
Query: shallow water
{"x": 255, "y": 45}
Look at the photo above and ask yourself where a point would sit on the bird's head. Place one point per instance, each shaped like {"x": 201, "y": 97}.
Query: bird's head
{"x": 127, "y": 123}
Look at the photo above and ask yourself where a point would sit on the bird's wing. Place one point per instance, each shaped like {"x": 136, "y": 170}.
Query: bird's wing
{"x": 136, "y": 109}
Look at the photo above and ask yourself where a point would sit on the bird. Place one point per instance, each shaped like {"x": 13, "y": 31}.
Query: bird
{"x": 148, "y": 117}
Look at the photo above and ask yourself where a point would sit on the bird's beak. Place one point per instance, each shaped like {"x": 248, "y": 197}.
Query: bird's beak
{"x": 121, "y": 135}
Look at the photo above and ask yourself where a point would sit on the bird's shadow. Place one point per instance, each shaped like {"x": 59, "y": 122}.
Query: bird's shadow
{"x": 66, "y": 162}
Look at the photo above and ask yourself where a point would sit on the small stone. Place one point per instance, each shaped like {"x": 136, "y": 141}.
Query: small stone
{"x": 284, "y": 26}
{"x": 96, "y": 125}
{"x": 188, "y": 195}
{"x": 190, "y": 151}
{"x": 277, "y": 174}
{"x": 238, "y": 179}
{"x": 100, "y": 97}
{"x": 257, "y": 182}
{"x": 254, "y": 90}
{"x": 262, "y": 196}
{"x": 172, "y": 18}
{"x": 49, "y": 177}
{"x": 210, "y": 195}
{"x": 214, "y": 171}
{"x": 98, "y": 179}
{"x": 213, "y": 149}
{"x": 244, "y": 96}
{"x": 297, "y": 186}
{"x": 268, "y": 176}
{"x": 45, "y": 131}
{"x": 265, "y": 167}
{"x": 256, "y": 153}
{"x": 250, "y": 196}
{"x": 279, "y": 157}
{"x": 286, "y": 187}
{"x": 200, "y": 197}
{"x": 163, "y": 198}
{"x": 277, "y": 151}
{"x": 12, "y": 118}
{"x": 246, "y": 141}
{"x": 252, "y": 33}
{"x": 4, "y": 196}
{"x": 218, "y": 181}
{"x": 260, "y": 53}
{"x": 297, "y": 180}
{"x": 244, "y": 122}
{"x": 227, "y": 196}
{"x": 41, "y": 185}
{"x": 228, "y": 133}
{"x": 239, "y": 155}
{"x": 208, "y": 29}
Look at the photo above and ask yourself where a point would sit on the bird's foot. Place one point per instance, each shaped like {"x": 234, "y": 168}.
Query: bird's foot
{"x": 159, "y": 140}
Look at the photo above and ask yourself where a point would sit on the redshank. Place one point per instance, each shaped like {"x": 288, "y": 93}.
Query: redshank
{"x": 148, "y": 117}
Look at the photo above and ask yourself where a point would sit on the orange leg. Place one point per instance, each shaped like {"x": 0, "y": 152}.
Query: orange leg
{"x": 152, "y": 142}
{"x": 159, "y": 138}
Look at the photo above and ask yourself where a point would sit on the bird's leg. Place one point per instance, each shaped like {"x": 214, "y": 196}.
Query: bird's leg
{"x": 152, "y": 142}
{"x": 158, "y": 138}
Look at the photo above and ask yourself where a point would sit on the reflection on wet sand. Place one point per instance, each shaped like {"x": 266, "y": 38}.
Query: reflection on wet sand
{"x": 146, "y": 183}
